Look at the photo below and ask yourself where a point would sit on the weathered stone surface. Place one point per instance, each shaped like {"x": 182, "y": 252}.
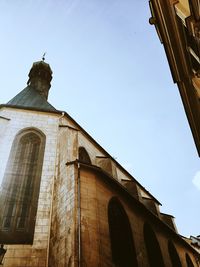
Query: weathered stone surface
{"x": 72, "y": 216}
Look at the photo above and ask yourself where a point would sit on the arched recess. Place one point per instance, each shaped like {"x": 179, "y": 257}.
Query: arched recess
{"x": 188, "y": 261}
{"x": 122, "y": 244}
{"x": 175, "y": 260}
{"x": 20, "y": 187}
{"x": 153, "y": 248}
{"x": 83, "y": 155}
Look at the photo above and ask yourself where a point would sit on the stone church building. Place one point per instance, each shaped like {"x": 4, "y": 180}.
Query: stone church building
{"x": 65, "y": 202}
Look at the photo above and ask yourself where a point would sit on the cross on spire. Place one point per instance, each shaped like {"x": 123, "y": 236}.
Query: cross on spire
{"x": 43, "y": 57}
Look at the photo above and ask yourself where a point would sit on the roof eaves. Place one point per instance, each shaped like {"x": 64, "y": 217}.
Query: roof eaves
{"x": 30, "y": 108}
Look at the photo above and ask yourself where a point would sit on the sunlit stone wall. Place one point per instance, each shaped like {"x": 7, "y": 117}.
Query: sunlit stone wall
{"x": 11, "y": 122}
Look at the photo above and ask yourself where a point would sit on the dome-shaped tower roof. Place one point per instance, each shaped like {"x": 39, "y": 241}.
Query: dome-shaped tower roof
{"x": 40, "y": 77}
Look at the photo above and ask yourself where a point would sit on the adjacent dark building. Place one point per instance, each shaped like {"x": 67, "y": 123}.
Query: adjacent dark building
{"x": 177, "y": 23}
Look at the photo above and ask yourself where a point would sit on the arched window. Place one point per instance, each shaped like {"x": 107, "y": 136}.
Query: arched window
{"x": 189, "y": 261}
{"x": 83, "y": 155}
{"x": 175, "y": 260}
{"x": 152, "y": 247}
{"x": 20, "y": 188}
{"x": 122, "y": 245}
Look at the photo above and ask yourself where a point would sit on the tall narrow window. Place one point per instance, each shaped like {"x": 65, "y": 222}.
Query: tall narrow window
{"x": 174, "y": 255}
{"x": 20, "y": 188}
{"x": 122, "y": 245}
{"x": 152, "y": 247}
{"x": 83, "y": 155}
{"x": 189, "y": 261}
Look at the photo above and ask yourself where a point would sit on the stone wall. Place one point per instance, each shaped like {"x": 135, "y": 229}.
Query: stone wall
{"x": 63, "y": 226}
{"x": 72, "y": 216}
{"x": 35, "y": 254}
{"x": 95, "y": 239}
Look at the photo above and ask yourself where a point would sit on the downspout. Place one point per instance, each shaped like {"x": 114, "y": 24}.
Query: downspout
{"x": 79, "y": 217}
{"x": 52, "y": 191}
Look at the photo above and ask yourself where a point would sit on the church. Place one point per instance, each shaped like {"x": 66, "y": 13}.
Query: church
{"x": 65, "y": 202}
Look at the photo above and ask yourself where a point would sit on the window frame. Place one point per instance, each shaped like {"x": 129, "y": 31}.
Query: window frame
{"x": 25, "y": 178}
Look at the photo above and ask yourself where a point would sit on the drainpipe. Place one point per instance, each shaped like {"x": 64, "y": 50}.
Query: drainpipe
{"x": 53, "y": 186}
{"x": 79, "y": 216}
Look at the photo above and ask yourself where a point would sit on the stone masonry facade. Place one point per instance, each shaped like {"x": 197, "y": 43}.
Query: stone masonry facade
{"x": 72, "y": 228}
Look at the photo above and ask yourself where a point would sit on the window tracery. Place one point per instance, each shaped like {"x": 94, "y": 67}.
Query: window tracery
{"x": 20, "y": 188}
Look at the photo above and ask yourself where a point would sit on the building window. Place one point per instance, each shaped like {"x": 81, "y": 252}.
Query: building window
{"x": 189, "y": 261}
{"x": 152, "y": 246}
{"x": 174, "y": 255}
{"x": 192, "y": 46}
{"x": 122, "y": 245}
{"x": 20, "y": 188}
{"x": 83, "y": 155}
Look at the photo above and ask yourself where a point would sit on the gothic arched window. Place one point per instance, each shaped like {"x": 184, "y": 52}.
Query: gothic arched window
{"x": 189, "y": 261}
{"x": 20, "y": 188}
{"x": 175, "y": 260}
{"x": 83, "y": 155}
{"x": 152, "y": 247}
{"x": 122, "y": 245}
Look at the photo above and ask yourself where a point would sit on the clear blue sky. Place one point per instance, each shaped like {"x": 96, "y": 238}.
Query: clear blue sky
{"x": 110, "y": 73}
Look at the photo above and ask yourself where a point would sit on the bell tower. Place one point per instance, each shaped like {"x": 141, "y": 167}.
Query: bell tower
{"x": 40, "y": 77}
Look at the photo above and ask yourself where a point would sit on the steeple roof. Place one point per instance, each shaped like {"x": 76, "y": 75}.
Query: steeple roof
{"x": 31, "y": 98}
{"x": 36, "y": 93}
